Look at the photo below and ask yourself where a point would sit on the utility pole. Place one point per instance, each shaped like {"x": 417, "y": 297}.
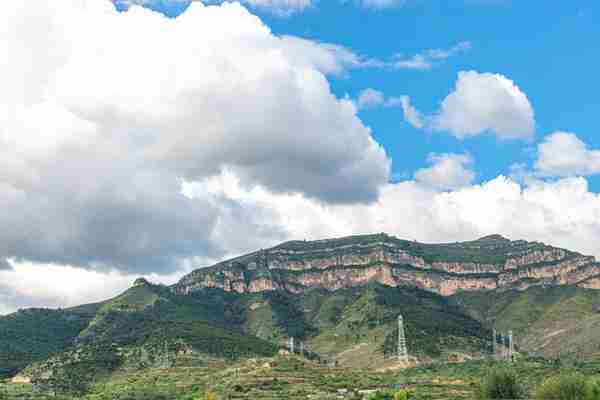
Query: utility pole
{"x": 494, "y": 339}
{"x": 292, "y": 345}
{"x": 511, "y": 347}
{"x": 402, "y": 352}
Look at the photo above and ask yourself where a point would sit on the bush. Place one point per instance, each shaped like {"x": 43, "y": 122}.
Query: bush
{"x": 402, "y": 395}
{"x": 500, "y": 384}
{"x": 387, "y": 395}
{"x": 211, "y": 396}
{"x": 567, "y": 387}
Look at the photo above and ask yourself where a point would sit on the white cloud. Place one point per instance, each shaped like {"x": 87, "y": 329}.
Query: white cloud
{"x": 447, "y": 172}
{"x": 328, "y": 58}
{"x": 38, "y": 285}
{"x": 426, "y": 60}
{"x": 564, "y": 154}
{"x": 333, "y": 59}
{"x": 563, "y": 213}
{"x": 280, "y": 6}
{"x": 411, "y": 114}
{"x": 484, "y": 102}
{"x": 99, "y": 127}
{"x": 369, "y": 98}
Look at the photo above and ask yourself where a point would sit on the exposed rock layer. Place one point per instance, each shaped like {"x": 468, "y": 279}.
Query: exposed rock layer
{"x": 488, "y": 263}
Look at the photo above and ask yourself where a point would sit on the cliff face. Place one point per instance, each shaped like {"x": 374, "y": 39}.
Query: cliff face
{"x": 489, "y": 263}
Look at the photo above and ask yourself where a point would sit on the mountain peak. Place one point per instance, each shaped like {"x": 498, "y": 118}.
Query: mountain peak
{"x": 141, "y": 282}
{"x": 494, "y": 237}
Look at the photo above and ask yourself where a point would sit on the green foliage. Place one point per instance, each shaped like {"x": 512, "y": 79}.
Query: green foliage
{"x": 403, "y": 395}
{"x": 391, "y": 395}
{"x": 573, "y": 386}
{"x": 288, "y": 315}
{"x": 432, "y": 324}
{"x": 166, "y": 318}
{"x": 565, "y": 311}
{"x": 501, "y": 383}
{"x": 36, "y": 334}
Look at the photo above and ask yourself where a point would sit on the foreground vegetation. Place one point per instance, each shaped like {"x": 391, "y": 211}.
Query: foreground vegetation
{"x": 194, "y": 377}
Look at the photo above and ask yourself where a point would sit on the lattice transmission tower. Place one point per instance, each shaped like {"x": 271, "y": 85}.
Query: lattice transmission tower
{"x": 402, "y": 352}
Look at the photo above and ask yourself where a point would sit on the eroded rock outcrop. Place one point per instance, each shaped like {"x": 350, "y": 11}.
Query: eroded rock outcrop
{"x": 489, "y": 263}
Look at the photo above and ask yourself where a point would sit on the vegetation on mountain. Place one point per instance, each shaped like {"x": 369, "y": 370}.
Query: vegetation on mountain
{"x": 558, "y": 321}
{"x": 159, "y": 342}
{"x": 35, "y": 334}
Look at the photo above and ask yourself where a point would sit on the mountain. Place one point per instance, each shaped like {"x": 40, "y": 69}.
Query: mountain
{"x": 546, "y": 295}
{"x": 489, "y": 263}
{"x": 142, "y": 327}
{"x": 339, "y": 299}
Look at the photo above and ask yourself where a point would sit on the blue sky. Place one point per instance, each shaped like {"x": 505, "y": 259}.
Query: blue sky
{"x": 549, "y": 49}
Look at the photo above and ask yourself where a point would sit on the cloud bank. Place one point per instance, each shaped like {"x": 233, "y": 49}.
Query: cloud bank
{"x": 99, "y": 127}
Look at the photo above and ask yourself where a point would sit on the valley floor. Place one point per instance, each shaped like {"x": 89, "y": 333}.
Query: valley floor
{"x": 293, "y": 378}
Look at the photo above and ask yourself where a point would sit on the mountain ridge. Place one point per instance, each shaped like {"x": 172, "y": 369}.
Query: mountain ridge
{"x": 488, "y": 263}
{"x": 339, "y": 297}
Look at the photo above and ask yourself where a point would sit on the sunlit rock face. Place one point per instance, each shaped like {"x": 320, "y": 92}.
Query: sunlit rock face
{"x": 489, "y": 263}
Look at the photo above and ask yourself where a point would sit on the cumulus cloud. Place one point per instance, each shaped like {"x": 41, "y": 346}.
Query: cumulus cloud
{"x": 484, "y": 102}
{"x": 564, "y": 154}
{"x": 38, "y": 285}
{"x": 4, "y": 264}
{"x": 563, "y": 213}
{"x": 99, "y": 128}
{"x": 447, "y": 171}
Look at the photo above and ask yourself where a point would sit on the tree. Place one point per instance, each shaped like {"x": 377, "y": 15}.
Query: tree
{"x": 501, "y": 383}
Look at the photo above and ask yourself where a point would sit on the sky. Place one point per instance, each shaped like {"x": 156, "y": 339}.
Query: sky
{"x": 153, "y": 137}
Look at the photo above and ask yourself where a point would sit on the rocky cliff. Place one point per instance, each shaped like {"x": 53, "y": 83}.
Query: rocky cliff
{"x": 489, "y": 263}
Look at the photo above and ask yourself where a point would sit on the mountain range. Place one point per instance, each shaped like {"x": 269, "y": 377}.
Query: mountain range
{"x": 340, "y": 298}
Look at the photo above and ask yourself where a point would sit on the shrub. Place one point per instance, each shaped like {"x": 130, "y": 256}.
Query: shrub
{"x": 567, "y": 387}
{"x": 500, "y": 383}
{"x": 379, "y": 395}
{"x": 402, "y": 395}
{"x": 388, "y": 395}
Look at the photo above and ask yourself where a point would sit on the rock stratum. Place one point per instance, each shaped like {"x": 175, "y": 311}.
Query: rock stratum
{"x": 489, "y": 263}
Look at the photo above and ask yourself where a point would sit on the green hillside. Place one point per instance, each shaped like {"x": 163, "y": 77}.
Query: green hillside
{"x": 365, "y": 332}
{"x": 153, "y": 314}
{"x": 548, "y": 321}
{"x": 333, "y": 324}
{"x": 35, "y": 334}
{"x": 144, "y": 327}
